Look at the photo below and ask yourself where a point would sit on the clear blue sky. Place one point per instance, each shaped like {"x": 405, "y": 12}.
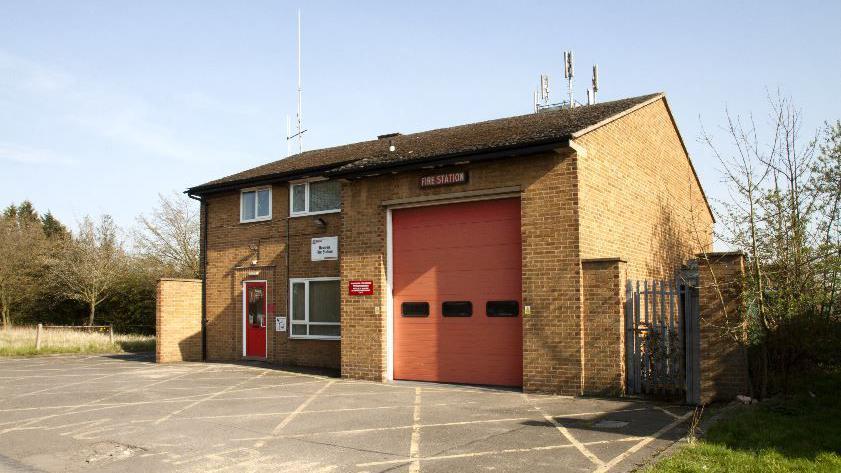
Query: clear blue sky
{"x": 104, "y": 104}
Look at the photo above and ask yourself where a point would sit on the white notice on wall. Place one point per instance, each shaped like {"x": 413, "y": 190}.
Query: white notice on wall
{"x": 280, "y": 324}
{"x": 325, "y": 248}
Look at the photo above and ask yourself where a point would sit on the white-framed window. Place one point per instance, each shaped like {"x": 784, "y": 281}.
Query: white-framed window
{"x": 255, "y": 204}
{"x": 314, "y": 308}
{"x": 315, "y": 197}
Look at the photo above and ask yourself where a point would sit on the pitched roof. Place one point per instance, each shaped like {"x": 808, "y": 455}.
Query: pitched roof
{"x": 551, "y": 126}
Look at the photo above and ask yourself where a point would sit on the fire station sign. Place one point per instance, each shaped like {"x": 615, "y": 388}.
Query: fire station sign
{"x": 444, "y": 179}
{"x": 361, "y": 288}
{"x": 325, "y": 248}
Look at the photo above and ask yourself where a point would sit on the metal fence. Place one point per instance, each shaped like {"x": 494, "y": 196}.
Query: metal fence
{"x": 662, "y": 339}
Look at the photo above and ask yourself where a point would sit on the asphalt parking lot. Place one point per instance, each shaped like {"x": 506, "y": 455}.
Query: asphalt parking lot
{"x": 127, "y": 414}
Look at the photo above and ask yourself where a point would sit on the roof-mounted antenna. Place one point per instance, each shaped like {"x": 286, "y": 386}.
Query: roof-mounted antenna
{"x": 536, "y": 102}
{"x": 569, "y": 72}
{"x": 544, "y": 89}
{"x": 288, "y": 135}
{"x": 300, "y": 89}
{"x": 299, "y": 114}
{"x": 595, "y": 81}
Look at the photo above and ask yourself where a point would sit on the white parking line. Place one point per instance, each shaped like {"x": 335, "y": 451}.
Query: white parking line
{"x": 565, "y": 432}
{"x": 607, "y": 466}
{"x": 286, "y": 420}
{"x": 208, "y": 397}
{"x": 25, "y": 423}
{"x": 414, "y": 443}
{"x": 492, "y": 452}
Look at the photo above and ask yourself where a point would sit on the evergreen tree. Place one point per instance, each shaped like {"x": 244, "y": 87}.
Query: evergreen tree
{"x": 52, "y": 227}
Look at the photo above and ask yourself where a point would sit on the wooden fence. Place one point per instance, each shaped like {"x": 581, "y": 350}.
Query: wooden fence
{"x": 41, "y": 330}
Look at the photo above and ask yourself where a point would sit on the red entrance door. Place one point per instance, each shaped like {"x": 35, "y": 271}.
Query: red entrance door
{"x": 254, "y": 313}
{"x": 457, "y": 293}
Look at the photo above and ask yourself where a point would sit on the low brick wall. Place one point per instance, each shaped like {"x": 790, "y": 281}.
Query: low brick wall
{"x": 178, "y": 320}
{"x": 723, "y": 367}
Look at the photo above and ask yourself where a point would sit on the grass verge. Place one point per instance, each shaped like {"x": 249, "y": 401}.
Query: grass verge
{"x": 20, "y": 341}
{"x": 800, "y": 433}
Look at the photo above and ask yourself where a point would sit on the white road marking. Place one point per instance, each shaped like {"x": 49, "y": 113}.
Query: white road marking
{"x": 565, "y": 432}
{"x": 492, "y": 452}
{"x": 414, "y": 444}
{"x": 286, "y": 420}
{"x": 206, "y": 398}
{"x": 645, "y": 441}
{"x": 317, "y": 411}
{"x": 442, "y": 424}
{"x": 667, "y": 412}
{"x": 28, "y": 422}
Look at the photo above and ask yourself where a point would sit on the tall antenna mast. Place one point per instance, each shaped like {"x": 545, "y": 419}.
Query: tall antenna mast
{"x": 569, "y": 72}
{"x": 300, "y": 118}
{"x": 288, "y": 135}
{"x": 595, "y": 81}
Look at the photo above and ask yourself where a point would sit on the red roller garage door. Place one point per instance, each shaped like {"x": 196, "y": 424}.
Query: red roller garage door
{"x": 457, "y": 293}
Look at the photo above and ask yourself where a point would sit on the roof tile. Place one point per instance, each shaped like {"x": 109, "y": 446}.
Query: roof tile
{"x": 523, "y": 130}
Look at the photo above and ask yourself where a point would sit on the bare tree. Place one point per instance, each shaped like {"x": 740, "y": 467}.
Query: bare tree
{"x": 89, "y": 264}
{"x": 170, "y": 236}
{"x": 778, "y": 218}
{"x": 22, "y": 254}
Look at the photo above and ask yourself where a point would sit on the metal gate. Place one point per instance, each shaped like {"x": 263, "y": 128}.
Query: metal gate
{"x": 662, "y": 338}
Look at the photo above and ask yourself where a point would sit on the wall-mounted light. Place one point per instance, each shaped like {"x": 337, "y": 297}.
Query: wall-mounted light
{"x": 255, "y": 253}
{"x": 320, "y": 222}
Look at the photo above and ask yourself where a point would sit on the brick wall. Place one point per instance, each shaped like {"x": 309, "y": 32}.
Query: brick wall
{"x": 640, "y": 200}
{"x": 630, "y": 193}
{"x": 723, "y": 366}
{"x": 604, "y": 326}
{"x": 551, "y": 269}
{"x": 230, "y": 253}
{"x": 178, "y": 320}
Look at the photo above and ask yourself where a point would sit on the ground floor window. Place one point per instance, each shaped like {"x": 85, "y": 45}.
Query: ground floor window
{"x": 314, "y": 308}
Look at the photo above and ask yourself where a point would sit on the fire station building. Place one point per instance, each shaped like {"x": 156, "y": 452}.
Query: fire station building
{"x": 492, "y": 253}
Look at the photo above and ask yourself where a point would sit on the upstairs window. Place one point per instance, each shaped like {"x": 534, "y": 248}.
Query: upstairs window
{"x": 315, "y": 197}
{"x": 255, "y": 204}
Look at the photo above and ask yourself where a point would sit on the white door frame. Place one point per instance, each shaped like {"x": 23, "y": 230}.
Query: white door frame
{"x": 389, "y": 236}
{"x": 245, "y": 314}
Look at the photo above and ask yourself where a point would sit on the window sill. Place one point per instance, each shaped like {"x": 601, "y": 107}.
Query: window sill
{"x": 307, "y": 214}
{"x": 256, "y": 220}
{"x": 312, "y": 337}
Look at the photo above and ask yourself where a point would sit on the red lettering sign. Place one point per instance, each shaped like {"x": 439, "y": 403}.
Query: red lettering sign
{"x": 445, "y": 179}
{"x": 361, "y": 288}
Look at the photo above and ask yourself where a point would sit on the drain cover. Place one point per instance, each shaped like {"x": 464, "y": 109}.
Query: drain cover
{"x": 610, "y": 424}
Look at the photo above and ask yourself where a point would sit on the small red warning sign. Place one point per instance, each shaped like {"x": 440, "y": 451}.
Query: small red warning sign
{"x": 361, "y": 288}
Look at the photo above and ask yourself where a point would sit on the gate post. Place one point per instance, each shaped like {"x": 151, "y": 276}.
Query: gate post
{"x": 604, "y": 326}
{"x": 630, "y": 338}
{"x": 723, "y": 370}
